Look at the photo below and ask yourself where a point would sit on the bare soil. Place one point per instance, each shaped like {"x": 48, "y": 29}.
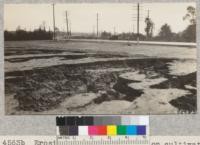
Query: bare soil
{"x": 99, "y": 83}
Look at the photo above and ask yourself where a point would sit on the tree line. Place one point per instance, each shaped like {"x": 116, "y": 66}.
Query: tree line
{"x": 21, "y": 34}
{"x": 165, "y": 33}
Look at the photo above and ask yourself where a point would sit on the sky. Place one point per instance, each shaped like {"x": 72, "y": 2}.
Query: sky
{"x": 120, "y": 17}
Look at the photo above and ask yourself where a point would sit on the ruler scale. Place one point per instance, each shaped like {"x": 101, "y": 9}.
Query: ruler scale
{"x": 102, "y": 130}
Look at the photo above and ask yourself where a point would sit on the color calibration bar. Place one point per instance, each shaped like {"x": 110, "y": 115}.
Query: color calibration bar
{"x": 102, "y": 125}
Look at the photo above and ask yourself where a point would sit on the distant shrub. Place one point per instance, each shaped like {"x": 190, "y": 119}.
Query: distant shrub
{"x": 20, "y": 34}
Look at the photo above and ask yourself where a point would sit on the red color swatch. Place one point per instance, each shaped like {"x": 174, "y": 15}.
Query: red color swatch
{"x": 102, "y": 130}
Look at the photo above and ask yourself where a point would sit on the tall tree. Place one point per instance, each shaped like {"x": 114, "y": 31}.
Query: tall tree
{"x": 165, "y": 33}
{"x": 149, "y": 27}
{"x": 189, "y": 34}
{"x": 191, "y": 15}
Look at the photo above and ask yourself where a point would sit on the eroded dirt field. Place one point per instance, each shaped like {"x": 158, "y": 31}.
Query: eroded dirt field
{"x": 43, "y": 77}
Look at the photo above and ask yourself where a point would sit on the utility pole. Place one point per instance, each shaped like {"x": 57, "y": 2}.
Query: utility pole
{"x": 70, "y": 28}
{"x": 138, "y": 23}
{"x": 97, "y": 25}
{"x": 93, "y": 30}
{"x": 67, "y": 23}
{"x": 54, "y": 29}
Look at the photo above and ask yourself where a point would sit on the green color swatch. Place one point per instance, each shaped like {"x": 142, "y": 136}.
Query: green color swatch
{"x": 121, "y": 130}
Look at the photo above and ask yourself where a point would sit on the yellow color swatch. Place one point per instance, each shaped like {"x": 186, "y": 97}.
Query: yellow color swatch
{"x": 111, "y": 130}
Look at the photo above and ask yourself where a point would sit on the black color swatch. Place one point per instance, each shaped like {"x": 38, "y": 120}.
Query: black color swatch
{"x": 71, "y": 121}
{"x": 60, "y": 121}
{"x": 88, "y": 120}
{"x": 79, "y": 121}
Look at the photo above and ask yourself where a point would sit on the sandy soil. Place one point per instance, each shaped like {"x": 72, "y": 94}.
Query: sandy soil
{"x": 99, "y": 78}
